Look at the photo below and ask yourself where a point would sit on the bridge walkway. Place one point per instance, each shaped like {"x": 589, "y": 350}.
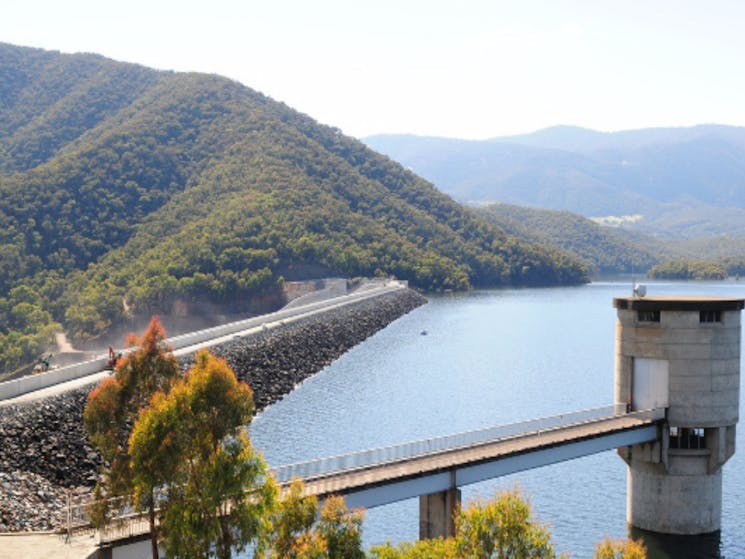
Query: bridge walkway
{"x": 384, "y": 475}
{"x": 431, "y": 465}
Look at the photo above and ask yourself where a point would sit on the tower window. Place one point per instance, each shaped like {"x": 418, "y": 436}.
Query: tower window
{"x": 648, "y": 316}
{"x": 687, "y": 438}
{"x": 710, "y": 316}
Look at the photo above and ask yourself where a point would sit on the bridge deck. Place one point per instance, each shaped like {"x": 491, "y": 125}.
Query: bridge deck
{"x": 380, "y": 476}
{"x": 355, "y": 478}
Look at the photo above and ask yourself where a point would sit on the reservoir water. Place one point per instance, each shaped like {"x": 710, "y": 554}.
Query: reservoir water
{"x": 467, "y": 361}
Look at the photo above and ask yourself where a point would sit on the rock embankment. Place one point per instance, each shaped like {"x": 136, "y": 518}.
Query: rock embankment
{"x": 44, "y": 451}
{"x": 273, "y": 362}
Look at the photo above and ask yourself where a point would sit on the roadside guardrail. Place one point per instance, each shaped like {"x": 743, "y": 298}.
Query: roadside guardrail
{"x": 185, "y": 343}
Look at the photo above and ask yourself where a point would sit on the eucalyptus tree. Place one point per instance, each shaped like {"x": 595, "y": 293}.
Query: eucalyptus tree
{"x": 298, "y": 530}
{"x": 111, "y": 410}
{"x": 190, "y": 445}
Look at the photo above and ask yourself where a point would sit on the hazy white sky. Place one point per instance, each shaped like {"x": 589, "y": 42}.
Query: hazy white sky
{"x": 458, "y": 68}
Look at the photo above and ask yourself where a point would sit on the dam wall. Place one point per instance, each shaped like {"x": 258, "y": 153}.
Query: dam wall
{"x": 43, "y": 443}
{"x": 214, "y": 335}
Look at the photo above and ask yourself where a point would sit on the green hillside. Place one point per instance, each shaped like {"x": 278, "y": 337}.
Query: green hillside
{"x": 602, "y": 249}
{"x": 124, "y": 190}
{"x": 612, "y": 250}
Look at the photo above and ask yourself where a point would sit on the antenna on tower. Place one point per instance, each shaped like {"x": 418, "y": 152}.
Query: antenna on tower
{"x": 637, "y": 289}
{"x": 640, "y": 290}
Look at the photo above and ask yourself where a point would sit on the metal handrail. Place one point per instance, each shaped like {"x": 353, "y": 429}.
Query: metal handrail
{"x": 395, "y": 453}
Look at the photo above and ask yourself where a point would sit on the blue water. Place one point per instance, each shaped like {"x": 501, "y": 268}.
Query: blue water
{"x": 490, "y": 357}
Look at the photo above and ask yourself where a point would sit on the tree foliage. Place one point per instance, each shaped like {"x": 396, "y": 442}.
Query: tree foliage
{"x": 27, "y": 328}
{"x": 341, "y": 530}
{"x": 620, "y": 549}
{"x": 499, "y": 528}
{"x": 502, "y": 527}
{"x": 191, "y": 444}
{"x": 604, "y": 250}
{"x": 735, "y": 266}
{"x": 438, "y": 548}
{"x": 113, "y": 406}
{"x": 689, "y": 270}
{"x": 290, "y": 532}
{"x": 296, "y": 529}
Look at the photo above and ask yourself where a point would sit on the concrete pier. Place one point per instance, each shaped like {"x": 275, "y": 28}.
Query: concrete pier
{"x": 683, "y": 354}
{"x": 437, "y": 514}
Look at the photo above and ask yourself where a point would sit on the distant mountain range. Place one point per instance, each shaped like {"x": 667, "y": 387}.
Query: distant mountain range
{"x": 126, "y": 191}
{"x": 670, "y": 182}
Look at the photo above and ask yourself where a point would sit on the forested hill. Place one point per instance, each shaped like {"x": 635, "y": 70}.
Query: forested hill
{"x": 604, "y": 250}
{"x": 124, "y": 189}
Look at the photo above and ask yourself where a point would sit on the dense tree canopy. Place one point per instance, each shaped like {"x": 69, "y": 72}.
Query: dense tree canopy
{"x": 689, "y": 270}
{"x": 27, "y": 327}
{"x": 190, "y": 442}
{"x": 502, "y": 527}
{"x": 298, "y": 530}
{"x": 603, "y": 249}
{"x": 609, "y": 250}
{"x": 124, "y": 189}
{"x": 112, "y": 407}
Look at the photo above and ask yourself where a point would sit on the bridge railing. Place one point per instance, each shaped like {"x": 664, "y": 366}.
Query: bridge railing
{"x": 395, "y": 453}
{"x": 124, "y": 521}
{"x": 127, "y": 522}
{"x": 286, "y": 314}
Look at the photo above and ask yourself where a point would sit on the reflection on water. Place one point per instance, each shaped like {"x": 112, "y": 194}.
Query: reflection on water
{"x": 664, "y": 546}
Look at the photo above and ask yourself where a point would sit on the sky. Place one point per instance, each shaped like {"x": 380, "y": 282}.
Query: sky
{"x": 471, "y": 69}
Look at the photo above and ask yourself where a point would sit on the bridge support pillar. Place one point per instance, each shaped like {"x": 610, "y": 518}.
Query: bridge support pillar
{"x": 437, "y": 514}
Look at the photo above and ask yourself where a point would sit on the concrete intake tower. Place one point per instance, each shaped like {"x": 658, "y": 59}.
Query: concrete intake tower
{"x": 683, "y": 354}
